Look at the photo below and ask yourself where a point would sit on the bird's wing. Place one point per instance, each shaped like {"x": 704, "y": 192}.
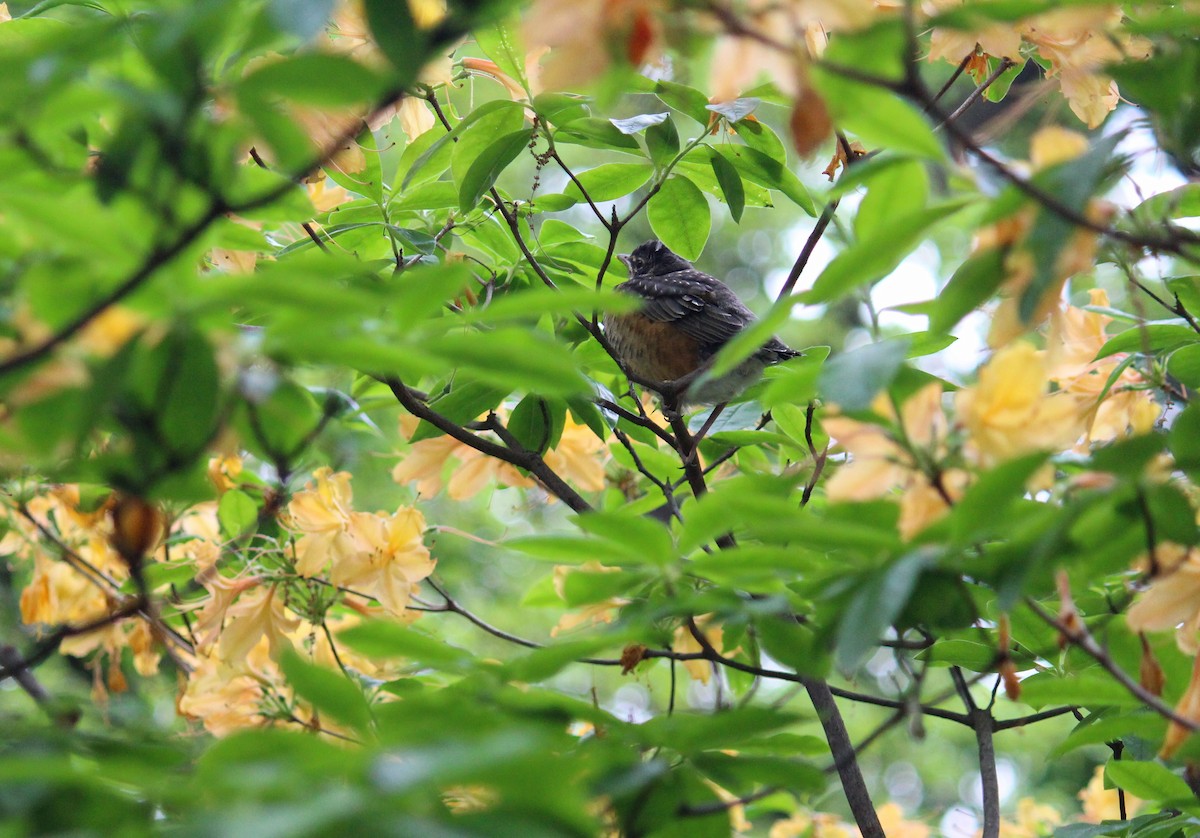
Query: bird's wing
{"x": 696, "y": 303}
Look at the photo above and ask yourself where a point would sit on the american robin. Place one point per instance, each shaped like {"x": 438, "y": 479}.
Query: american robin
{"x": 686, "y": 317}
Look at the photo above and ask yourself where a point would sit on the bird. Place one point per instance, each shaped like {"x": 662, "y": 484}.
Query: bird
{"x": 685, "y": 318}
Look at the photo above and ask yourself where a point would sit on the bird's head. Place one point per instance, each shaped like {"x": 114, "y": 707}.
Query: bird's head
{"x": 654, "y": 258}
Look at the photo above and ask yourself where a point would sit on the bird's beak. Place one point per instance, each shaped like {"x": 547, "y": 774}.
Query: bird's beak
{"x": 624, "y": 257}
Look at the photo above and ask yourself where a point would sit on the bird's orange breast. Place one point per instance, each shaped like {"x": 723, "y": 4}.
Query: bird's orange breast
{"x": 650, "y": 348}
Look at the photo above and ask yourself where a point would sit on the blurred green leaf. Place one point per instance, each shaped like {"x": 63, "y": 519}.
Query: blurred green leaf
{"x": 330, "y": 693}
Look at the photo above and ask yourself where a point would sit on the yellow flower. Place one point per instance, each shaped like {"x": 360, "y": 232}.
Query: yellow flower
{"x": 1034, "y": 820}
{"x": 1075, "y": 338}
{"x": 1010, "y": 411}
{"x": 227, "y": 696}
{"x": 812, "y": 825}
{"x": 999, "y": 40}
{"x": 251, "y": 618}
{"x": 880, "y": 465}
{"x": 579, "y": 457}
{"x": 1173, "y": 598}
{"x": 199, "y": 538}
{"x": 223, "y": 471}
{"x": 895, "y": 825}
{"x": 222, "y": 592}
{"x": 1101, "y": 804}
{"x": 322, "y": 513}
{"x": 591, "y": 614}
{"x": 425, "y": 461}
{"x": 685, "y": 642}
{"x": 1078, "y": 43}
{"x": 585, "y": 35}
{"x": 389, "y": 559}
{"x": 145, "y": 648}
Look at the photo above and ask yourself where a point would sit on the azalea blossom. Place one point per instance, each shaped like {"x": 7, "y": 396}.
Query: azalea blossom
{"x": 389, "y": 559}
{"x": 1034, "y": 820}
{"x": 812, "y": 825}
{"x": 880, "y": 464}
{"x": 255, "y": 616}
{"x": 594, "y": 613}
{"x": 1011, "y": 411}
{"x": 1103, "y": 804}
{"x": 1076, "y": 337}
{"x": 322, "y": 514}
{"x": 1173, "y": 599}
{"x": 686, "y": 643}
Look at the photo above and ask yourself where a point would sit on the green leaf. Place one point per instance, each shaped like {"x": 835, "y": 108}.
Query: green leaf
{"x": 982, "y": 509}
{"x": 853, "y": 379}
{"x": 488, "y": 166}
{"x": 685, "y": 99}
{"x": 662, "y": 142}
{"x": 975, "y": 281}
{"x": 464, "y": 403}
{"x": 892, "y": 192}
{"x": 1072, "y": 183}
{"x": 425, "y": 159}
{"x": 880, "y": 118}
{"x": 1147, "y": 780}
{"x": 680, "y": 217}
{"x": 757, "y": 167}
{"x": 477, "y": 133}
{"x": 1180, "y": 202}
{"x": 731, "y": 185}
{"x": 1096, "y": 730}
{"x": 388, "y": 640}
{"x": 315, "y": 78}
{"x": 537, "y": 423}
{"x": 1184, "y": 440}
{"x": 1184, "y": 364}
{"x": 873, "y": 258}
{"x": 1161, "y": 336}
{"x": 795, "y": 383}
{"x": 794, "y": 645}
{"x": 511, "y": 357}
{"x": 749, "y": 340}
{"x": 875, "y": 607}
{"x": 609, "y": 181}
{"x": 330, "y": 693}
{"x": 237, "y": 513}
{"x": 976, "y": 657}
{"x": 1090, "y": 688}
{"x": 597, "y": 133}
{"x": 501, "y": 43}
{"x": 405, "y": 45}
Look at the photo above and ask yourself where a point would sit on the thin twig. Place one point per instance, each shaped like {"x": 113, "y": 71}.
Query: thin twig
{"x": 1082, "y": 638}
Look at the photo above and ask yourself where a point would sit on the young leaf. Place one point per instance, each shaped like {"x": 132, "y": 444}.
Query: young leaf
{"x": 636, "y": 124}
